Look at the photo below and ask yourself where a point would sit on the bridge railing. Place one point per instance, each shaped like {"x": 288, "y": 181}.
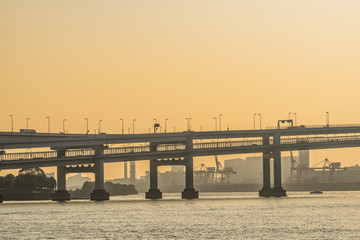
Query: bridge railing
{"x": 79, "y": 152}
{"x": 171, "y": 147}
{"x": 28, "y": 155}
{"x": 315, "y": 126}
{"x": 227, "y": 144}
{"x": 123, "y": 150}
{"x": 300, "y": 140}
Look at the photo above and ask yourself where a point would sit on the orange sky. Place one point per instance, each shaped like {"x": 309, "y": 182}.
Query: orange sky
{"x": 176, "y": 59}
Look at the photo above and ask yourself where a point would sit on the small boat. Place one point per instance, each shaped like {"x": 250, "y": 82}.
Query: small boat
{"x": 316, "y": 192}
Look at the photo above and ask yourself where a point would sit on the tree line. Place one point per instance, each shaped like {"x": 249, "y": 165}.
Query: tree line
{"x": 29, "y": 179}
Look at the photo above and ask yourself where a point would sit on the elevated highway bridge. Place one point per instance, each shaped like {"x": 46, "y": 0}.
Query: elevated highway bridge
{"x": 168, "y": 149}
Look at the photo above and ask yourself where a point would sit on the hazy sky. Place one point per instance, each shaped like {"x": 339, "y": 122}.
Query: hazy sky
{"x": 175, "y": 59}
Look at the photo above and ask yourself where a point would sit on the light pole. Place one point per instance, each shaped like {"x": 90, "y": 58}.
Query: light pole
{"x": 220, "y": 122}
{"x": 64, "y": 125}
{"x": 200, "y": 128}
{"x": 100, "y": 126}
{"x": 289, "y": 115}
{"x": 188, "y": 123}
{"x": 254, "y": 119}
{"x": 134, "y": 120}
{"x": 12, "y": 122}
{"x": 87, "y": 125}
{"x": 165, "y": 124}
{"x": 48, "y": 118}
{"x": 27, "y": 123}
{"x": 215, "y": 118}
{"x": 327, "y": 119}
{"x": 260, "y": 119}
{"x": 295, "y": 119}
{"x": 122, "y": 125}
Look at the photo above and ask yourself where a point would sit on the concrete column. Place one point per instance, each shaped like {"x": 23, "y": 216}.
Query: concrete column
{"x": 99, "y": 194}
{"x": 99, "y": 174}
{"x": 61, "y": 194}
{"x": 277, "y": 191}
{"x": 61, "y": 178}
{"x": 189, "y": 191}
{"x": 266, "y": 190}
{"x": 125, "y": 170}
{"x": 154, "y": 192}
{"x": 132, "y": 171}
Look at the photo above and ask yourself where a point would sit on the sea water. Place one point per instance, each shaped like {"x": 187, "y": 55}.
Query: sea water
{"x": 301, "y": 215}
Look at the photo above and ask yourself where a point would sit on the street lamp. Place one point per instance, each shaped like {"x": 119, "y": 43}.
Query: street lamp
{"x": 12, "y": 122}
{"x": 295, "y": 119}
{"x": 215, "y": 118}
{"x": 64, "y": 125}
{"x": 87, "y": 125}
{"x": 27, "y": 123}
{"x": 220, "y": 122}
{"x": 165, "y": 124}
{"x": 188, "y": 123}
{"x": 254, "y": 119}
{"x": 48, "y": 118}
{"x": 134, "y": 126}
{"x": 100, "y": 126}
{"x": 260, "y": 119}
{"x": 289, "y": 115}
{"x": 122, "y": 125}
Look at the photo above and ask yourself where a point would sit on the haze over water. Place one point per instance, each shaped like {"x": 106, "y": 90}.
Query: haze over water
{"x": 332, "y": 215}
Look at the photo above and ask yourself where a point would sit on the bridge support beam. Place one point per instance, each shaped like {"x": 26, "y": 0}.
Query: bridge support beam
{"x": 61, "y": 194}
{"x": 99, "y": 194}
{"x": 154, "y": 192}
{"x": 189, "y": 191}
{"x": 266, "y": 190}
{"x": 277, "y": 191}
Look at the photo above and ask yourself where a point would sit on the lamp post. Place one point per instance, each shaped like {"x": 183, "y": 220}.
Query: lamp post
{"x": 12, "y": 122}
{"x": 220, "y": 115}
{"x": 64, "y": 125}
{"x": 165, "y": 124}
{"x": 289, "y": 115}
{"x": 254, "y": 120}
{"x": 188, "y": 123}
{"x": 27, "y": 123}
{"x": 327, "y": 119}
{"x": 260, "y": 119}
{"x": 134, "y": 120}
{"x": 100, "y": 126}
{"x": 295, "y": 119}
{"x": 48, "y": 118}
{"x": 87, "y": 125}
{"x": 122, "y": 125}
{"x": 215, "y": 118}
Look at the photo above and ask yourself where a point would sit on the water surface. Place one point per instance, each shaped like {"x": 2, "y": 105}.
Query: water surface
{"x": 332, "y": 215}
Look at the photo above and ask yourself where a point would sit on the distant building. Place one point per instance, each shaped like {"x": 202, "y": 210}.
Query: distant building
{"x": 76, "y": 181}
{"x": 50, "y": 175}
{"x": 250, "y": 170}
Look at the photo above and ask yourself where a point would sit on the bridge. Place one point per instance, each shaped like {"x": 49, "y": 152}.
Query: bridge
{"x": 89, "y": 152}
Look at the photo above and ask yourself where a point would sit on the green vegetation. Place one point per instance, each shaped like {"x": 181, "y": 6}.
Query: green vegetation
{"x": 30, "y": 180}
{"x": 114, "y": 189}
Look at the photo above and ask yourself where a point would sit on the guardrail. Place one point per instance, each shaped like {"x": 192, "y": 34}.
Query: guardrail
{"x": 314, "y": 126}
{"x": 178, "y": 147}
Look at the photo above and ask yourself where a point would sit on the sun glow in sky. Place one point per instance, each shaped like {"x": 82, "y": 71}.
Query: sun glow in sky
{"x": 175, "y": 59}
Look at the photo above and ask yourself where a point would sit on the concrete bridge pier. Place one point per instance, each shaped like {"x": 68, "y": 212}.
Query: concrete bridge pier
{"x": 266, "y": 190}
{"x": 61, "y": 194}
{"x": 189, "y": 191}
{"x": 99, "y": 194}
{"x": 277, "y": 191}
{"x": 154, "y": 192}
